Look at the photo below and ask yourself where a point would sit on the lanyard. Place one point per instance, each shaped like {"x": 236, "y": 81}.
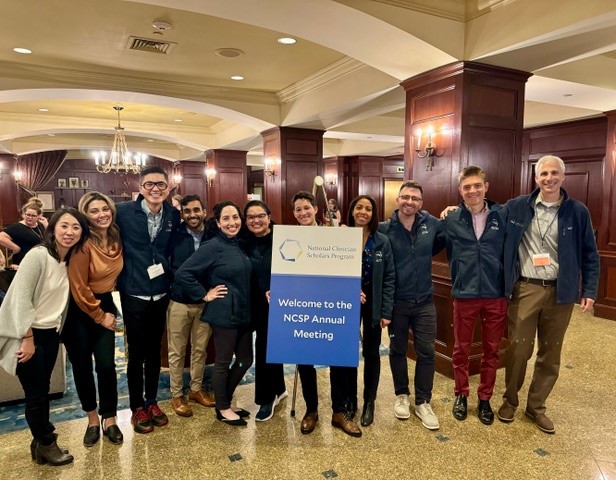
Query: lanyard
{"x": 542, "y": 236}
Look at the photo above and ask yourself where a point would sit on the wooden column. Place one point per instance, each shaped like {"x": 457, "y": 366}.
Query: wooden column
{"x": 230, "y": 182}
{"x": 475, "y": 113}
{"x": 300, "y": 152}
{"x": 9, "y": 209}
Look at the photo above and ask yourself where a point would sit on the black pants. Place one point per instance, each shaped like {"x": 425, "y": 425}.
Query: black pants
{"x": 84, "y": 338}
{"x": 35, "y": 379}
{"x": 144, "y": 322}
{"x": 370, "y": 345}
{"x": 308, "y": 378}
{"x": 343, "y": 381}
{"x": 269, "y": 377}
{"x": 230, "y": 341}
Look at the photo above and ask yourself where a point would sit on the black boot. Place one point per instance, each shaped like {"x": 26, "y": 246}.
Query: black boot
{"x": 51, "y": 454}
{"x": 367, "y": 416}
{"x": 33, "y": 444}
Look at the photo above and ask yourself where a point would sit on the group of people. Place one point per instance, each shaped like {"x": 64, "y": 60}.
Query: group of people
{"x": 196, "y": 278}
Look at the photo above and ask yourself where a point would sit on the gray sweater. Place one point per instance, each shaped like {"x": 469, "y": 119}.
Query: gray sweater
{"x": 18, "y": 310}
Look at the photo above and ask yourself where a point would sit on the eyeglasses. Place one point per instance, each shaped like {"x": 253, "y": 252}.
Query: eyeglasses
{"x": 260, "y": 216}
{"x": 29, "y": 215}
{"x": 406, "y": 198}
{"x": 151, "y": 185}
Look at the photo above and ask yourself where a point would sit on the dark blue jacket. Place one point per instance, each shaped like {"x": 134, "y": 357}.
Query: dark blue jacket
{"x": 219, "y": 261}
{"x": 577, "y": 247}
{"x": 476, "y": 265}
{"x": 140, "y": 252}
{"x": 383, "y": 279}
{"x": 413, "y": 259}
{"x": 182, "y": 247}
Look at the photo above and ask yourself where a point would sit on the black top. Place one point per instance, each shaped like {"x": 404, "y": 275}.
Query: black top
{"x": 25, "y": 238}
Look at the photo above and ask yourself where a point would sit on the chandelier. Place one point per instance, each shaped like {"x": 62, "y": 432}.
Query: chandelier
{"x": 120, "y": 160}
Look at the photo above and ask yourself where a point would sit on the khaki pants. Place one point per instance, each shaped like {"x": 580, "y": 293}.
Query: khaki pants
{"x": 184, "y": 320}
{"x": 534, "y": 311}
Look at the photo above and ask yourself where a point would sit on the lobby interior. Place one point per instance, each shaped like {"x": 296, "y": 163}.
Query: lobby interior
{"x": 350, "y": 101}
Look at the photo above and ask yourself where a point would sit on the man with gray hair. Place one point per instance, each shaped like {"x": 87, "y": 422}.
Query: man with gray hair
{"x": 549, "y": 244}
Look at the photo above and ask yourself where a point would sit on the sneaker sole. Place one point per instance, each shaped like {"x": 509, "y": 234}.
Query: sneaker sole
{"x": 402, "y": 417}
{"x": 505, "y": 419}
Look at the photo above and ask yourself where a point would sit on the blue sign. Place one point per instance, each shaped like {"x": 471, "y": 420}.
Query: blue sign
{"x": 315, "y": 296}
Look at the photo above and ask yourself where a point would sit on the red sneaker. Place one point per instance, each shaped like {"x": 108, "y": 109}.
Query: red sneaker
{"x": 141, "y": 421}
{"x": 157, "y": 415}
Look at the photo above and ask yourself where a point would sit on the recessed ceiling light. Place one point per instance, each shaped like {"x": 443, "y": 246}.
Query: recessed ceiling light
{"x": 179, "y": 120}
{"x": 51, "y": 134}
{"x": 25, "y": 51}
{"x": 43, "y": 109}
{"x": 287, "y": 41}
{"x": 228, "y": 52}
{"x": 150, "y": 140}
{"x": 567, "y": 94}
{"x": 237, "y": 77}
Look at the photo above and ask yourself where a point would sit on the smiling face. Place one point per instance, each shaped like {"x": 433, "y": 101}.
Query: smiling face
{"x": 549, "y": 179}
{"x": 473, "y": 191}
{"x": 30, "y": 217}
{"x": 305, "y": 213}
{"x": 193, "y": 214}
{"x": 258, "y": 221}
{"x": 99, "y": 215}
{"x": 409, "y": 201}
{"x": 230, "y": 221}
{"x": 155, "y": 189}
{"x": 67, "y": 232}
{"x": 362, "y": 213}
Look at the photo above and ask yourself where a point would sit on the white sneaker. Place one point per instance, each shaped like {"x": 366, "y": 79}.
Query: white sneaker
{"x": 401, "y": 407}
{"x": 427, "y": 416}
{"x": 280, "y": 397}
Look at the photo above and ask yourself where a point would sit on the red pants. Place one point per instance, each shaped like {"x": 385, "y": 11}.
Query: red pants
{"x": 493, "y": 314}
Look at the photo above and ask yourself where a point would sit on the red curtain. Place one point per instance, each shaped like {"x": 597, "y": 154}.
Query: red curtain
{"x": 39, "y": 168}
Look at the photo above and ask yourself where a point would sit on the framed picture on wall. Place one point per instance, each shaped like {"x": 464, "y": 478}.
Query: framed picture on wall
{"x": 61, "y": 182}
{"x": 49, "y": 203}
{"x": 85, "y": 183}
{"x": 73, "y": 182}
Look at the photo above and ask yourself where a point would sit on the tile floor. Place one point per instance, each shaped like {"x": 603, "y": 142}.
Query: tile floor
{"x": 583, "y": 407}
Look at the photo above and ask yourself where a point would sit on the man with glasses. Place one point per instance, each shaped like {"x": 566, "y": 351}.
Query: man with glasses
{"x": 146, "y": 226}
{"x": 412, "y": 233}
{"x": 184, "y": 316}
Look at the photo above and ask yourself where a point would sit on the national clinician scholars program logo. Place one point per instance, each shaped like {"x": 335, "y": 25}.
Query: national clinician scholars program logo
{"x": 290, "y": 250}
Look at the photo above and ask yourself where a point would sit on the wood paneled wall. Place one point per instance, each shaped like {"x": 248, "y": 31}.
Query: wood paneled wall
{"x": 230, "y": 182}
{"x": 9, "y": 209}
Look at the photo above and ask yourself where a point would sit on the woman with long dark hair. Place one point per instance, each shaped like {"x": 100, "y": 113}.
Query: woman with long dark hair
{"x": 377, "y": 285}
{"x": 32, "y": 315}
{"x": 270, "y": 387}
{"x": 219, "y": 273}
{"x": 90, "y": 324}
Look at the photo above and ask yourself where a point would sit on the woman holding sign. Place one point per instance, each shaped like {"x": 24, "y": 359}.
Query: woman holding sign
{"x": 270, "y": 388}
{"x": 377, "y": 295}
{"x": 219, "y": 273}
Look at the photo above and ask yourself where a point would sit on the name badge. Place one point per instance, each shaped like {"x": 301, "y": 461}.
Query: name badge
{"x": 541, "y": 259}
{"x": 155, "y": 270}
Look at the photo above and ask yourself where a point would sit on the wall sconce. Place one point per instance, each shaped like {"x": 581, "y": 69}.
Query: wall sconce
{"x": 330, "y": 180}
{"x": 428, "y": 151}
{"x": 269, "y": 166}
{"x": 18, "y": 174}
{"x": 210, "y": 174}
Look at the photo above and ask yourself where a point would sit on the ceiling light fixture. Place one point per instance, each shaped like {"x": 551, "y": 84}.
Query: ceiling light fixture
{"x": 24, "y": 51}
{"x": 43, "y": 109}
{"x": 287, "y": 41}
{"x": 179, "y": 120}
{"x": 237, "y": 77}
{"x": 120, "y": 159}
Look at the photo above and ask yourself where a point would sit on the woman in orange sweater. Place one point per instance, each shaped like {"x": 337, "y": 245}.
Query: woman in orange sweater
{"x": 91, "y": 320}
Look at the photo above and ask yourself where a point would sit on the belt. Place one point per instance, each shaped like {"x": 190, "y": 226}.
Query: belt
{"x": 539, "y": 281}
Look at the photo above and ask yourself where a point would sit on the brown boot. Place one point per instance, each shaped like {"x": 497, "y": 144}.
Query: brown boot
{"x": 181, "y": 407}
{"x": 51, "y": 454}
{"x": 202, "y": 398}
{"x": 341, "y": 420}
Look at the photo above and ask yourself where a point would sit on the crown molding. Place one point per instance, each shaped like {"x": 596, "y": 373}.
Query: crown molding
{"x": 449, "y": 9}
{"x": 117, "y": 80}
{"x": 320, "y": 79}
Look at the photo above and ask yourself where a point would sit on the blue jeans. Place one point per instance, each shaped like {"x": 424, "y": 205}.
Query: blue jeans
{"x": 421, "y": 319}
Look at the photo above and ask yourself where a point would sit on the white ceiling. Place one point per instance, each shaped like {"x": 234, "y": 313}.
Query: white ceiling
{"x": 342, "y": 75}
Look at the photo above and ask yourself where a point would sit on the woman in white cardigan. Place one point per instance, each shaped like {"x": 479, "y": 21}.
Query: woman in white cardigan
{"x": 32, "y": 315}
